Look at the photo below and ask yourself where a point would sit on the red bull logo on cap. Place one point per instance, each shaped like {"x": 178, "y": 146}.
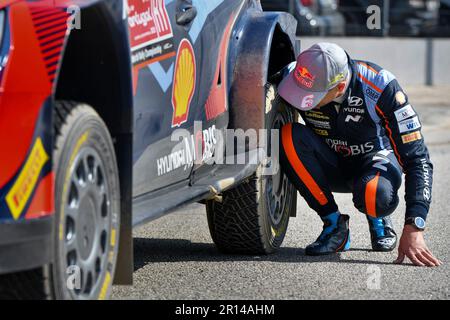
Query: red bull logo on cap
{"x": 304, "y": 77}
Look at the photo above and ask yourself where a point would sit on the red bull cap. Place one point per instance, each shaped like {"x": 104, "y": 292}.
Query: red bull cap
{"x": 318, "y": 70}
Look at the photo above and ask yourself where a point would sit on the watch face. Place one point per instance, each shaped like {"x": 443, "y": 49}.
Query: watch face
{"x": 419, "y": 222}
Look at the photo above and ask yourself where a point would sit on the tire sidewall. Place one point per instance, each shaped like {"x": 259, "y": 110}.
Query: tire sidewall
{"x": 84, "y": 128}
{"x": 274, "y": 233}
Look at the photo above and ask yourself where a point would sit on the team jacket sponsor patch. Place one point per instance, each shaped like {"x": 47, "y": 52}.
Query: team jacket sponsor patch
{"x": 319, "y": 124}
{"x": 400, "y": 97}
{"x": 404, "y": 113}
{"x": 410, "y": 137}
{"x": 316, "y": 114}
{"x": 409, "y": 125}
{"x": 321, "y": 132}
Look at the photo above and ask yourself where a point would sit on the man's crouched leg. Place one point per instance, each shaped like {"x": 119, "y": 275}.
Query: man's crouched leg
{"x": 313, "y": 168}
{"x": 375, "y": 194}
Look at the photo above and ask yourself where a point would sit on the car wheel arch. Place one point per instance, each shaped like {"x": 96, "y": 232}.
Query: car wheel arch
{"x": 95, "y": 57}
{"x": 267, "y": 44}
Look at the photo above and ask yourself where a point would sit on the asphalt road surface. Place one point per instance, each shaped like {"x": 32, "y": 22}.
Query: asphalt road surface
{"x": 176, "y": 259}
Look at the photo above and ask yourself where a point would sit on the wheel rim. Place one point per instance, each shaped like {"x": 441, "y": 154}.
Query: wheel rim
{"x": 277, "y": 184}
{"x": 87, "y": 221}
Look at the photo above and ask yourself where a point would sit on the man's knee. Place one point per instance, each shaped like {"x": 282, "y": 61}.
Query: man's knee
{"x": 375, "y": 195}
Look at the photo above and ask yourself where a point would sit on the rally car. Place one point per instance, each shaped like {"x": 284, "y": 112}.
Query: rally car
{"x": 113, "y": 113}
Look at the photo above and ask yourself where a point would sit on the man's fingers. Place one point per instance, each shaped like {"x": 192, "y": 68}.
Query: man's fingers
{"x": 414, "y": 260}
{"x": 431, "y": 257}
{"x": 427, "y": 262}
{"x": 400, "y": 258}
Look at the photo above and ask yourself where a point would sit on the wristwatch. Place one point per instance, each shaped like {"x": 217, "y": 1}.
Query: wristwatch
{"x": 417, "y": 222}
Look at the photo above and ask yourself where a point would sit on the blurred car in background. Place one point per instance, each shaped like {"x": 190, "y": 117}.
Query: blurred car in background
{"x": 443, "y": 29}
{"x": 406, "y": 17}
{"x": 315, "y": 17}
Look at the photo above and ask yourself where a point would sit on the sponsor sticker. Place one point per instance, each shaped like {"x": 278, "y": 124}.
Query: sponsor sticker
{"x": 198, "y": 147}
{"x": 319, "y": 124}
{"x": 354, "y": 110}
{"x": 304, "y": 77}
{"x": 321, "y": 132}
{"x": 184, "y": 83}
{"x": 410, "y": 137}
{"x": 372, "y": 94}
{"x": 336, "y": 79}
{"x": 307, "y": 102}
{"x": 317, "y": 115}
{"x": 355, "y": 101}
{"x": 20, "y": 193}
{"x": 409, "y": 124}
{"x": 404, "y": 113}
{"x": 151, "y": 35}
{"x": 400, "y": 97}
{"x": 354, "y": 118}
{"x": 342, "y": 147}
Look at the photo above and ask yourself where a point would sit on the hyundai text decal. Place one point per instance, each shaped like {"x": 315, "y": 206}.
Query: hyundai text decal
{"x": 198, "y": 147}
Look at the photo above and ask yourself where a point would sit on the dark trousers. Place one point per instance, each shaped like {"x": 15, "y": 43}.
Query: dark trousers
{"x": 317, "y": 171}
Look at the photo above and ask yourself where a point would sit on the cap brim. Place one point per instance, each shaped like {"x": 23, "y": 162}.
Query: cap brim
{"x": 298, "y": 97}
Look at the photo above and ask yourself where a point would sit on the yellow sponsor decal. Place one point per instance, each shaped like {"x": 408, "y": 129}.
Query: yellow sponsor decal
{"x": 105, "y": 286}
{"x": 410, "y": 137}
{"x": 184, "y": 83}
{"x": 20, "y": 193}
{"x": 336, "y": 79}
{"x": 321, "y": 132}
{"x": 316, "y": 114}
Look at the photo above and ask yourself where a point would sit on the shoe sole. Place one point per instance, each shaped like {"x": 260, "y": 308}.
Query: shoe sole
{"x": 383, "y": 249}
{"x": 345, "y": 246}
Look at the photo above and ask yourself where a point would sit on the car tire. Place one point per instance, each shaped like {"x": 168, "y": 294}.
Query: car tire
{"x": 252, "y": 217}
{"x": 87, "y": 213}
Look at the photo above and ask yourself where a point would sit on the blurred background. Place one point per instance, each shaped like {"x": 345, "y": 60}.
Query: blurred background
{"x": 411, "y": 38}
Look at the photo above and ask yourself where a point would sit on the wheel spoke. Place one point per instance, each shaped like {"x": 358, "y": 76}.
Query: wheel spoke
{"x": 72, "y": 244}
{"x": 79, "y": 186}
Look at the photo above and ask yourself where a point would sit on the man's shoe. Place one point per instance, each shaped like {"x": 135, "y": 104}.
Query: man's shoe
{"x": 335, "y": 236}
{"x": 382, "y": 234}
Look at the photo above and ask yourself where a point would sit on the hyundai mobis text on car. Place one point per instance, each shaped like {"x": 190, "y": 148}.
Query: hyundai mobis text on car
{"x": 113, "y": 113}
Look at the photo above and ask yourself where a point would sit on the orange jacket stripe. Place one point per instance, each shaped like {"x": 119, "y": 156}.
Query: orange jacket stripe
{"x": 371, "y": 196}
{"x": 368, "y": 67}
{"x": 298, "y": 166}
{"x": 370, "y": 83}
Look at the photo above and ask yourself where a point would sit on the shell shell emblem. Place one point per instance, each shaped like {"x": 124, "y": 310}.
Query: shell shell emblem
{"x": 184, "y": 83}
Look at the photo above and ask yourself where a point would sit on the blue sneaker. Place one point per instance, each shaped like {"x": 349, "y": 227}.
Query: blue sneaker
{"x": 335, "y": 236}
{"x": 382, "y": 234}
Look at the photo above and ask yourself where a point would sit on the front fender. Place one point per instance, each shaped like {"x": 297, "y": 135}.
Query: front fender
{"x": 262, "y": 40}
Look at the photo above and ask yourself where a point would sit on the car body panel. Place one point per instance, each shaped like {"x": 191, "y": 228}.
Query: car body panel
{"x": 175, "y": 79}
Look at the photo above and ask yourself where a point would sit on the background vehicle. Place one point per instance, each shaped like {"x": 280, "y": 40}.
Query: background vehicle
{"x": 315, "y": 17}
{"x": 406, "y": 17}
{"x": 443, "y": 28}
{"x": 88, "y": 133}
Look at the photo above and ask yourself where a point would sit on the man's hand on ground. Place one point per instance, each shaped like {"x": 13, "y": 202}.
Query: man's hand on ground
{"x": 412, "y": 245}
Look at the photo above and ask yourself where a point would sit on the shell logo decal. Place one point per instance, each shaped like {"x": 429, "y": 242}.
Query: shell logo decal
{"x": 184, "y": 83}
